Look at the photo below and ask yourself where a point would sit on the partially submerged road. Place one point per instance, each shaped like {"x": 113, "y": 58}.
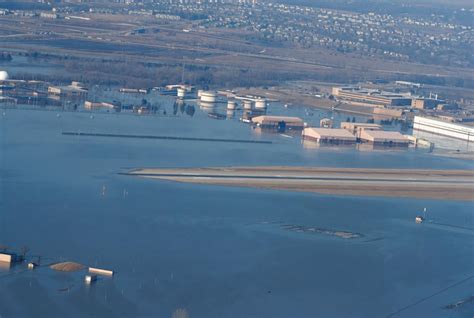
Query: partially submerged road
{"x": 416, "y": 183}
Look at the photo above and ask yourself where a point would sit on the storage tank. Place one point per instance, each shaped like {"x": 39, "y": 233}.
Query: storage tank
{"x": 181, "y": 92}
{"x": 200, "y": 91}
{"x": 207, "y": 105}
{"x": 247, "y": 104}
{"x": 230, "y": 114}
{"x": 208, "y": 97}
{"x": 261, "y": 103}
{"x": 231, "y": 104}
{"x": 3, "y": 76}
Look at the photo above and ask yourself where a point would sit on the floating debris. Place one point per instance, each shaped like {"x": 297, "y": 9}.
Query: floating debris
{"x": 460, "y": 303}
{"x": 316, "y": 230}
{"x": 100, "y": 271}
{"x": 65, "y": 289}
{"x": 32, "y": 265}
{"x": 311, "y": 229}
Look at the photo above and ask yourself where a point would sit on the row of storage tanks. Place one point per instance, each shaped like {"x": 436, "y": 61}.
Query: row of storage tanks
{"x": 248, "y": 104}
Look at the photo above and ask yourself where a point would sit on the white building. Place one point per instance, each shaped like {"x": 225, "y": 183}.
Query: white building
{"x": 443, "y": 128}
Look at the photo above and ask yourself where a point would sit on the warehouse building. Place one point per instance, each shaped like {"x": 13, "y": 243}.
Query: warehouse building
{"x": 384, "y": 138}
{"x": 329, "y": 136}
{"x": 278, "y": 122}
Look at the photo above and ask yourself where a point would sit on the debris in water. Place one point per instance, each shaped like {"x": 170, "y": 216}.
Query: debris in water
{"x": 305, "y": 229}
{"x": 460, "y": 303}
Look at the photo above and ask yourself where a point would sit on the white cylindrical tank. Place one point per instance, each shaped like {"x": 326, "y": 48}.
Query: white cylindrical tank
{"x": 208, "y": 97}
{"x": 3, "y": 76}
{"x": 261, "y": 103}
{"x": 247, "y": 104}
{"x": 207, "y": 105}
{"x": 231, "y": 104}
{"x": 181, "y": 92}
{"x": 230, "y": 113}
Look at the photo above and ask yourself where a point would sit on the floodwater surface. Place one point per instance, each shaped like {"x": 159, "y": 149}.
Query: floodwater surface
{"x": 216, "y": 251}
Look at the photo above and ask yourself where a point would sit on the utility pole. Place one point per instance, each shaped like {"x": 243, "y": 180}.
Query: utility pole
{"x": 182, "y": 73}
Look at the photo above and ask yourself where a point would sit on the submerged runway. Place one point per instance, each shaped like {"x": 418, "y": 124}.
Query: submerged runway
{"x": 417, "y": 183}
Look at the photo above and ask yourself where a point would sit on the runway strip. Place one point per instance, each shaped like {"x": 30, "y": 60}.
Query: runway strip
{"x": 435, "y": 184}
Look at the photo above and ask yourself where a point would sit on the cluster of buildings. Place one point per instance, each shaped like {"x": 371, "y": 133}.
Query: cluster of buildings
{"x": 74, "y": 90}
{"x": 39, "y": 93}
{"x": 351, "y": 133}
{"x": 254, "y": 112}
{"x": 15, "y": 93}
{"x": 75, "y": 96}
{"x": 383, "y": 99}
{"x": 348, "y": 133}
{"x": 30, "y": 13}
{"x": 372, "y": 97}
{"x": 392, "y": 104}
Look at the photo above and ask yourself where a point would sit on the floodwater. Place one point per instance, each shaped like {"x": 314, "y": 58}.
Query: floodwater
{"x": 215, "y": 251}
